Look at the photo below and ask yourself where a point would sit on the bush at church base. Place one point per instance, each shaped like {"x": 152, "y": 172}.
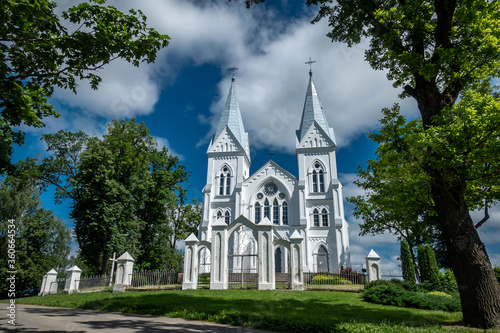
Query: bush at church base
{"x": 324, "y": 279}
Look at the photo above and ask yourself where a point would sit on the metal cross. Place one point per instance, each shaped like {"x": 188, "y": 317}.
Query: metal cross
{"x": 234, "y": 69}
{"x": 310, "y": 62}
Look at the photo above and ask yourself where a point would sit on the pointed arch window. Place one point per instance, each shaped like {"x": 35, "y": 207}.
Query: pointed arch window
{"x": 225, "y": 181}
{"x": 257, "y": 212}
{"x": 267, "y": 209}
{"x": 276, "y": 212}
{"x": 324, "y": 217}
{"x": 219, "y": 215}
{"x": 227, "y": 217}
{"x": 316, "y": 217}
{"x": 284, "y": 212}
{"x": 318, "y": 178}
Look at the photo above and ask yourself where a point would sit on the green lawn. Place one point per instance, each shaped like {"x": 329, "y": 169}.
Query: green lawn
{"x": 287, "y": 311}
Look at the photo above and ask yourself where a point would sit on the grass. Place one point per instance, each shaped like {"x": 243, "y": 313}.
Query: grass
{"x": 287, "y": 311}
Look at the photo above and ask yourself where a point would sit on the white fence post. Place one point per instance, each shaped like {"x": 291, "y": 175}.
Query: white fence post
{"x": 48, "y": 279}
{"x": 373, "y": 266}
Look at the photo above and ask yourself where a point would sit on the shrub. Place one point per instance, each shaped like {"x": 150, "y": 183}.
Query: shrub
{"x": 448, "y": 282}
{"x": 392, "y": 294}
{"x": 385, "y": 294}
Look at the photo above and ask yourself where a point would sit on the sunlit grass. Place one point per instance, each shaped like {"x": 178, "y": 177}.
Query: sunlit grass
{"x": 287, "y": 311}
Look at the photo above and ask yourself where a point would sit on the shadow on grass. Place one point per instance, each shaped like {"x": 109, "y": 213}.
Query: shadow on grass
{"x": 271, "y": 310}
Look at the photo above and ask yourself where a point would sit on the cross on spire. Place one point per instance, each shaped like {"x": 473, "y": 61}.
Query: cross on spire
{"x": 234, "y": 69}
{"x": 310, "y": 62}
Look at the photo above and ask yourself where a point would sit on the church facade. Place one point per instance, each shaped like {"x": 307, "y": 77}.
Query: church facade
{"x": 309, "y": 205}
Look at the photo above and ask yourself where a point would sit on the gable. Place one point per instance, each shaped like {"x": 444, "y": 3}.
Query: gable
{"x": 271, "y": 169}
{"x": 225, "y": 142}
{"x": 316, "y": 137}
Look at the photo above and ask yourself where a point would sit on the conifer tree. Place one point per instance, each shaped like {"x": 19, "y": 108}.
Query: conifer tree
{"x": 407, "y": 264}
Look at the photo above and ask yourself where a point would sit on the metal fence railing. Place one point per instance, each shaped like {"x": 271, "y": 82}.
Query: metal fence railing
{"x": 57, "y": 286}
{"x": 156, "y": 279}
{"x": 347, "y": 280}
{"x": 93, "y": 283}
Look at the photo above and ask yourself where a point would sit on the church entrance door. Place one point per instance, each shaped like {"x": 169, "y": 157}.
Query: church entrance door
{"x": 242, "y": 259}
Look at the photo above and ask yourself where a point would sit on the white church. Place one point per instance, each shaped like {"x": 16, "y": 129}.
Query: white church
{"x": 270, "y": 221}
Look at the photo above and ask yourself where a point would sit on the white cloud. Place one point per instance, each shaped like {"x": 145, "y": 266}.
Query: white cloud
{"x": 163, "y": 142}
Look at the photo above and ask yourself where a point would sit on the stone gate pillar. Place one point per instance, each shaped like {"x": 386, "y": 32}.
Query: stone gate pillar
{"x": 266, "y": 255}
{"x": 373, "y": 266}
{"x": 48, "y": 287}
{"x": 218, "y": 269}
{"x": 72, "y": 280}
{"x": 190, "y": 275}
{"x": 124, "y": 270}
{"x": 296, "y": 264}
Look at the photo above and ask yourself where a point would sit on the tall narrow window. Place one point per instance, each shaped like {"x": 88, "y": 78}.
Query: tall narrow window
{"x": 225, "y": 181}
{"x": 276, "y": 212}
{"x": 267, "y": 212}
{"x": 228, "y": 183}
{"x": 324, "y": 217}
{"x": 221, "y": 187}
{"x": 219, "y": 215}
{"x": 315, "y": 181}
{"x": 321, "y": 181}
{"x": 316, "y": 217}
{"x": 257, "y": 212}
{"x": 318, "y": 178}
{"x": 227, "y": 217}
{"x": 284, "y": 214}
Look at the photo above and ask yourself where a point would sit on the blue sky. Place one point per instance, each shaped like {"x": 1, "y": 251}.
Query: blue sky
{"x": 180, "y": 97}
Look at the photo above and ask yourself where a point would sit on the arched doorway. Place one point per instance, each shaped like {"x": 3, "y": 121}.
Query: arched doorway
{"x": 322, "y": 260}
{"x": 242, "y": 259}
{"x": 277, "y": 261}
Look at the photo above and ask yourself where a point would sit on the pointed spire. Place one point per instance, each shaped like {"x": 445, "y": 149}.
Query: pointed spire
{"x": 313, "y": 110}
{"x": 231, "y": 117}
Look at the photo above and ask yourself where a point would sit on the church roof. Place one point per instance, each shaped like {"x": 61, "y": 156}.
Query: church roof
{"x": 313, "y": 111}
{"x": 231, "y": 117}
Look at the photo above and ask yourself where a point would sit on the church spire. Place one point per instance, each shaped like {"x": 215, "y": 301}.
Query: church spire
{"x": 231, "y": 116}
{"x": 313, "y": 110}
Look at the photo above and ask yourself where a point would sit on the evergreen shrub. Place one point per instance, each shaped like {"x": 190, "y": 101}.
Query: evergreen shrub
{"x": 392, "y": 294}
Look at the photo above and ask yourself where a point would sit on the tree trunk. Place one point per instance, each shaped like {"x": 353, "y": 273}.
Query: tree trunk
{"x": 477, "y": 284}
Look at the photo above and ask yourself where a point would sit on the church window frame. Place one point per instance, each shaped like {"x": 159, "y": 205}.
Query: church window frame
{"x": 276, "y": 212}
{"x": 225, "y": 181}
{"x": 257, "y": 209}
{"x": 267, "y": 209}
{"x": 219, "y": 215}
{"x": 227, "y": 217}
{"x": 284, "y": 213}
{"x": 316, "y": 217}
{"x": 324, "y": 218}
{"x": 318, "y": 177}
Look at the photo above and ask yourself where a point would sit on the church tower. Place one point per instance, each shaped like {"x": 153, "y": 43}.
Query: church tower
{"x": 228, "y": 166}
{"x": 321, "y": 199}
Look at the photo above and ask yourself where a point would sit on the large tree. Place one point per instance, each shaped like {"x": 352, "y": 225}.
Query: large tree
{"x": 435, "y": 50}
{"x": 42, "y": 240}
{"x": 120, "y": 188}
{"x": 40, "y": 50}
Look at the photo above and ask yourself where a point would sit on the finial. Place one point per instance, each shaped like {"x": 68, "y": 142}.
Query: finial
{"x": 234, "y": 69}
{"x": 310, "y": 62}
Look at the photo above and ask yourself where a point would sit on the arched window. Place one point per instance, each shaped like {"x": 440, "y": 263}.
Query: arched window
{"x": 225, "y": 181}
{"x": 267, "y": 212}
{"x": 257, "y": 212}
{"x": 285, "y": 212}
{"x": 324, "y": 217}
{"x": 219, "y": 215}
{"x": 316, "y": 217}
{"x": 276, "y": 212}
{"x": 227, "y": 217}
{"x": 318, "y": 178}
